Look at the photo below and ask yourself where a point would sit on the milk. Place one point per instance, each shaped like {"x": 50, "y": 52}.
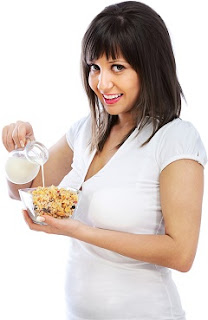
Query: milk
{"x": 20, "y": 171}
{"x": 23, "y": 164}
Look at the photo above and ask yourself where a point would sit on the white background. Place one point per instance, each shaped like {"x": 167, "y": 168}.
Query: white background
{"x": 40, "y": 82}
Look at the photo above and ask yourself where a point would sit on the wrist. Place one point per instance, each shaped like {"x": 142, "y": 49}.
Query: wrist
{"x": 82, "y": 231}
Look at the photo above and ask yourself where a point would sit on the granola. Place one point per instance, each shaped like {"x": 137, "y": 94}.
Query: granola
{"x": 54, "y": 201}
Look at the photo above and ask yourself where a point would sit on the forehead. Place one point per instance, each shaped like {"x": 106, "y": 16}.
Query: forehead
{"x": 109, "y": 59}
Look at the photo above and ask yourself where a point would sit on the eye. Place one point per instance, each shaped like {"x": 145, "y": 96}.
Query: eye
{"x": 93, "y": 67}
{"x": 118, "y": 67}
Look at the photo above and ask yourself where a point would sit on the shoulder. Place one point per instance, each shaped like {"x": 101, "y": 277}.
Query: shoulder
{"x": 179, "y": 139}
{"x": 80, "y": 128}
{"x": 178, "y": 131}
{"x": 80, "y": 124}
{"x": 178, "y": 127}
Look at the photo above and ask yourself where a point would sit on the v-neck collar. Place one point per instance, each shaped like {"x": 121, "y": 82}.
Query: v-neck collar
{"x": 115, "y": 155}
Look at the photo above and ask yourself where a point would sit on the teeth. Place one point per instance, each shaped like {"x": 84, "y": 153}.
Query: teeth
{"x": 112, "y": 96}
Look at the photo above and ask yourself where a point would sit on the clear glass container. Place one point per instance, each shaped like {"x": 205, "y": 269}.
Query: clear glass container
{"x": 23, "y": 164}
{"x": 27, "y": 199}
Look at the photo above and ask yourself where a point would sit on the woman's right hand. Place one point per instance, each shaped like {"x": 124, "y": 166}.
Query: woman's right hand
{"x": 17, "y": 135}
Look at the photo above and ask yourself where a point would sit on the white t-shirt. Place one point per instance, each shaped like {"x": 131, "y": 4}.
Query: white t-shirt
{"x": 124, "y": 196}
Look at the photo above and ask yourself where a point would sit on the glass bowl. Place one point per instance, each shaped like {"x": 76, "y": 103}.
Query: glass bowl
{"x": 54, "y": 201}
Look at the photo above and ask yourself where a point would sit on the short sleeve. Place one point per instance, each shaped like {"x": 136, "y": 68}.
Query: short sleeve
{"x": 179, "y": 139}
{"x": 74, "y": 130}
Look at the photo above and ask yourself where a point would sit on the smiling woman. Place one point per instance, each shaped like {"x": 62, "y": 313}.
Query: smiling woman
{"x": 139, "y": 169}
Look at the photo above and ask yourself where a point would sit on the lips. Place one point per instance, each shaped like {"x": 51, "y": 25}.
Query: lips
{"x": 112, "y": 98}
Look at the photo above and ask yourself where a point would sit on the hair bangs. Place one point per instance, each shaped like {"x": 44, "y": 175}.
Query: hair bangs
{"x": 106, "y": 40}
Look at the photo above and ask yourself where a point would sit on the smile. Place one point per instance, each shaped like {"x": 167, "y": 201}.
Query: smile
{"x": 112, "y": 98}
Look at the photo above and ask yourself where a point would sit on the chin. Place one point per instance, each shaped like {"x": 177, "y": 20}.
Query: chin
{"x": 111, "y": 110}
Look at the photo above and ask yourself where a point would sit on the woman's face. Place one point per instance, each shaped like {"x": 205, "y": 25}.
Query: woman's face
{"x": 116, "y": 84}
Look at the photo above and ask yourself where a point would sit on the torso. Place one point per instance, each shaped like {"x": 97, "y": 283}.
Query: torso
{"x": 120, "y": 192}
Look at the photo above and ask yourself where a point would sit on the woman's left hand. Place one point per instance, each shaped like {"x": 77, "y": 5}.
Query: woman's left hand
{"x": 67, "y": 227}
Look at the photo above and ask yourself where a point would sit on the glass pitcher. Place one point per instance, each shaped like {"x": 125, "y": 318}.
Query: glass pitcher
{"x": 23, "y": 164}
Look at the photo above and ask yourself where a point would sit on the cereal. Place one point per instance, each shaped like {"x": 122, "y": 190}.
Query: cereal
{"x": 55, "y": 202}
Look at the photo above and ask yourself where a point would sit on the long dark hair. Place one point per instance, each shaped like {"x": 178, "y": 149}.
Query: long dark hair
{"x": 137, "y": 32}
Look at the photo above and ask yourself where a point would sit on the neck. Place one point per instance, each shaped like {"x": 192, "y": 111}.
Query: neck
{"x": 125, "y": 122}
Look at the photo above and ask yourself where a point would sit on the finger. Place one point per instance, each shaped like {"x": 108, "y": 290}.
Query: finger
{"x": 22, "y": 132}
{"x": 19, "y": 134}
{"x": 15, "y": 135}
{"x": 55, "y": 225}
{"x": 25, "y": 133}
{"x": 66, "y": 226}
{"x": 7, "y": 139}
{"x": 28, "y": 139}
{"x": 32, "y": 225}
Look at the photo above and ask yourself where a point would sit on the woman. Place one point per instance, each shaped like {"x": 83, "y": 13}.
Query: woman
{"x": 139, "y": 168}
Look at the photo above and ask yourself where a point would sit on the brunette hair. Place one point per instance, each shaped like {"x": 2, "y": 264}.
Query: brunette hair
{"x": 136, "y": 31}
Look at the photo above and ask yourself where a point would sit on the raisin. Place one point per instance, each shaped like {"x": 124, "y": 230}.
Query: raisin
{"x": 46, "y": 210}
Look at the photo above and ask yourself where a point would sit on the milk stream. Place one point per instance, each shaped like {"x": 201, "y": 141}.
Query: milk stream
{"x": 43, "y": 177}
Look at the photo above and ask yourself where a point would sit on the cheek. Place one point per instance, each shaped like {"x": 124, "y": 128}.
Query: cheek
{"x": 92, "y": 82}
{"x": 133, "y": 85}
{"x": 136, "y": 88}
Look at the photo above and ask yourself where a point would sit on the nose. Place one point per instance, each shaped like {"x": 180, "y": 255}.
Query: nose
{"x": 105, "y": 81}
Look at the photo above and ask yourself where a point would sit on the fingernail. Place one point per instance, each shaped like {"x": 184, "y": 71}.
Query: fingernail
{"x": 40, "y": 219}
{"x": 22, "y": 144}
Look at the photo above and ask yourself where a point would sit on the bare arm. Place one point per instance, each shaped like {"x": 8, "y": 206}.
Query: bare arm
{"x": 181, "y": 188}
{"x": 58, "y": 165}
